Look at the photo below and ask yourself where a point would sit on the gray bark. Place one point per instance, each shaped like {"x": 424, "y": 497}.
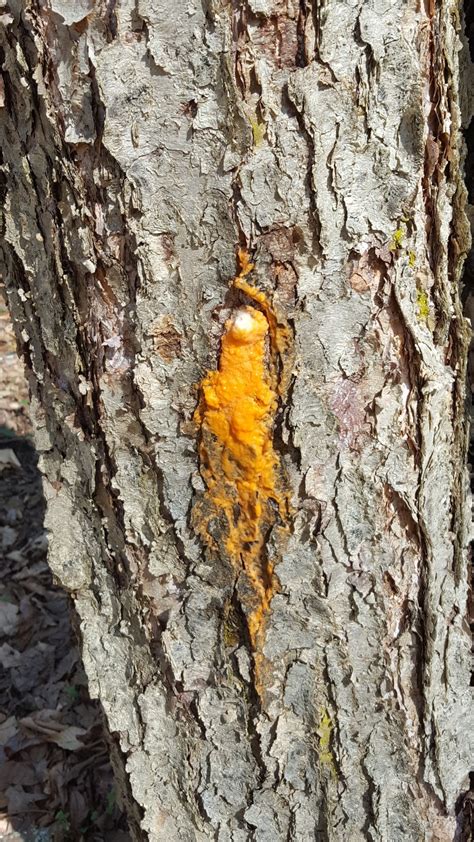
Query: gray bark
{"x": 143, "y": 141}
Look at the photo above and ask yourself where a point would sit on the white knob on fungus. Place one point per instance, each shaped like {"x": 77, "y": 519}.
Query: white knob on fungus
{"x": 244, "y": 321}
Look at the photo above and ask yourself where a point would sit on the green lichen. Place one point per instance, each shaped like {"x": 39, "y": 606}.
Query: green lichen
{"x": 423, "y": 305}
{"x": 325, "y": 730}
{"x": 396, "y": 242}
{"x": 230, "y": 628}
{"x": 411, "y": 259}
{"x": 258, "y": 131}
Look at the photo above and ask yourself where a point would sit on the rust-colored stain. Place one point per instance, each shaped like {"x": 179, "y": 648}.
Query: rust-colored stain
{"x": 239, "y": 465}
{"x": 166, "y": 339}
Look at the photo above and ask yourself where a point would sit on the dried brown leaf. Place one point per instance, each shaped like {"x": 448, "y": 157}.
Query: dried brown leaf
{"x": 46, "y": 723}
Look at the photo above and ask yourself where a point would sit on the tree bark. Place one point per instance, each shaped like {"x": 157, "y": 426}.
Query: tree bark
{"x": 282, "y": 652}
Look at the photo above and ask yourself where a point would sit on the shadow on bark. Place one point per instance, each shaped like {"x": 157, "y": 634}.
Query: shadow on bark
{"x": 465, "y": 805}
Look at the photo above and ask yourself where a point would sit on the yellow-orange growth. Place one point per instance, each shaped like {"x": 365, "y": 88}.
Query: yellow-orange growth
{"x": 240, "y": 467}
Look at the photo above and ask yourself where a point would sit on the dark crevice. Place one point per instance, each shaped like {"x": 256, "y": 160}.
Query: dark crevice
{"x": 465, "y": 804}
{"x": 254, "y": 701}
{"x": 317, "y": 12}
{"x": 293, "y": 109}
{"x": 468, "y": 271}
{"x": 302, "y": 58}
{"x": 111, "y": 24}
{"x": 468, "y": 8}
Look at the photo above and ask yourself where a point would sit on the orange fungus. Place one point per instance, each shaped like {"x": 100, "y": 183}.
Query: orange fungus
{"x": 239, "y": 465}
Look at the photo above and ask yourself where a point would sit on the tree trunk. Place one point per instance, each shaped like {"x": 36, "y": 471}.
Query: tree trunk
{"x": 257, "y": 490}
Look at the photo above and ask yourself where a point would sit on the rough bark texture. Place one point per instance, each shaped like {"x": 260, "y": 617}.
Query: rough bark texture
{"x": 143, "y": 141}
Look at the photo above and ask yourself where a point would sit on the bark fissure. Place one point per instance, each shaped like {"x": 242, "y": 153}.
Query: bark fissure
{"x": 464, "y": 804}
